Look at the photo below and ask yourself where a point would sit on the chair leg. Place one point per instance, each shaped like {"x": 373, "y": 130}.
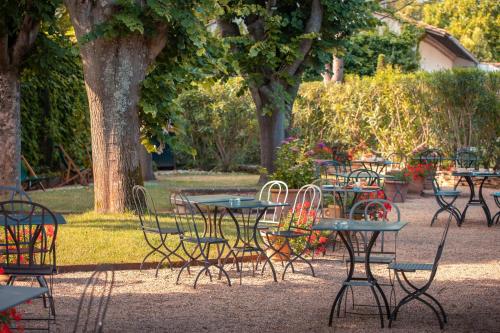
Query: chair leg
{"x": 496, "y": 218}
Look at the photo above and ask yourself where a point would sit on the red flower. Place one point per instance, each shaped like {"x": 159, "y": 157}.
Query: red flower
{"x": 2, "y": 271}
{"x": 323, "y": 239}
{"x": 4, "y": 328}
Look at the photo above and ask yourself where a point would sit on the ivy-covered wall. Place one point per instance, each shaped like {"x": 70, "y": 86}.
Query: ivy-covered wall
{"x": 54, "y": 105}
{"x": 396, "y": 112}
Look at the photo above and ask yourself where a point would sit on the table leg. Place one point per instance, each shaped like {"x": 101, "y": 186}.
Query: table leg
{"x": 484, "y": 204}
{"x": 472, "y": 195}
{"x": 259, "y": 248}
{"x": 372, "y": 279}
{"x": 345, "y": 284}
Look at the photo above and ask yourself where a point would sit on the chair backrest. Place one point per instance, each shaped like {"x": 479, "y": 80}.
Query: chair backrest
{"x": 466, "y": 159}
{"x": 326, "y": 168}
{"x": 145, "y": 209}
{"x": 399, "y": 160}
{"x": 190, "y": 224}
{"x": 378, "y": 210}
{"x": 369, "y": 177}
{"x": 30, "y": 232}
{"x": 439, "y": 252}
{"x": 432, "y": 156}
{"x": 306, "y": 207}
{"x": 277, "y": 191}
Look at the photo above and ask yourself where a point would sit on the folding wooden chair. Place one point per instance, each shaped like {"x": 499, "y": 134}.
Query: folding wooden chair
{"x": 72, "y": 172}
{"x": 29, "y": 178}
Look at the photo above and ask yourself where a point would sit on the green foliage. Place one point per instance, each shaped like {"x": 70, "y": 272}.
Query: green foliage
{"x": 474, "y": 23}
{"x": 54, "y": 104}
{"x": 363, "y": 50}
{"x": 221, "y": 129}
{"x": 270, "y": 36}
{"x": 395, "y": 112}
{"x": 294, "y": 164}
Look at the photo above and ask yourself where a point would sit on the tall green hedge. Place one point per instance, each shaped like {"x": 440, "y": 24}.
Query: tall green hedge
{"x": 54, "y": 105}
{"x": 395, "y": 112}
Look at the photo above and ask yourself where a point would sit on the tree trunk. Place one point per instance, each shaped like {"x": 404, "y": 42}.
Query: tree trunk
{"x": 146, "y": 164}
{"x": 338, "y": 70}
{"x": 10, "y": 128}
{"x": 327, "y": 76}
{"x": 113, "y": 71}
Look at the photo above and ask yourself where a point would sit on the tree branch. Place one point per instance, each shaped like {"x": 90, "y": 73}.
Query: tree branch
{"x": 25, "y": 39}
{"x": 158, "y": 42}
{"x": 313, "y": 26}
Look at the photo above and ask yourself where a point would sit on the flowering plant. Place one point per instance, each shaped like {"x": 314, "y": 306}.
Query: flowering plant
{"x": 301, "y": 222}
{"x": 419, "y": 170}
{"x": 294, "y": 164}
{"x": 403, "y": 175}
{"x": 322, "y": 151}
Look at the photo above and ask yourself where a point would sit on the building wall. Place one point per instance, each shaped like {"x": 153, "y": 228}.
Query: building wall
{"x": 433, "y": 59}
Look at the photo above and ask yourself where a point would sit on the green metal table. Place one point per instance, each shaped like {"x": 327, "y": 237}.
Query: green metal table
{"x": 344, "y": 228}
{"x": 10, "y": 296}
{"x": 479, "y": 199}
{"x": 246, "y": 227}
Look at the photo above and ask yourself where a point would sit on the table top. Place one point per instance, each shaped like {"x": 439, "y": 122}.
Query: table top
{"x": 11, "y": 296}
{"x": 357, "y": 225}
{"x": 333, "y": 188}
{"x": 246, "y": 204}
{"x": 381, "y": 162}
{"x": 215, "y": 198}
{"x": 35, "y": 220}
{"x": 475, "y": 174}
{"x": 362, "y": 175}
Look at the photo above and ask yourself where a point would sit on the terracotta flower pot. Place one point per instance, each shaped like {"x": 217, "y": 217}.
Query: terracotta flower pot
{"x": 332, "y": 211}
{"x": 396, "y": 190}
{"x": 416, "y": 185}
{"x": 283, "y": 254}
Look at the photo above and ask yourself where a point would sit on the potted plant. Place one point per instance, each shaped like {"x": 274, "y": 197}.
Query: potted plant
{"x": 418, "y": 174}
{"x": 294, "y": 165}
{"x": 396, "y": 188}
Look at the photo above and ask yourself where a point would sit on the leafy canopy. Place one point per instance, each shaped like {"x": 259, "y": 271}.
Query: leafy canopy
{"x": 270, "y": 35}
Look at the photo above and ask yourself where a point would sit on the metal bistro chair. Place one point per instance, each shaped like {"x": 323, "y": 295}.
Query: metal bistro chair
{"x": 445, "y": 200}
{"x": 154, "y": 234}
{"x": 432, "y": 156}
{"x": 366, "y": 176}
{"x": 384, "y": 251}
{"x": 465, "y": 159}
{"x": 326, "y": 167}
{"x": 496, "y": 217}
{"x": 195, "y": 242}
{"x": 277, "y": 191}
{"x": 303, "y": 216}
{"x": 30, "y": 234}
{"x": 413, "y": 291}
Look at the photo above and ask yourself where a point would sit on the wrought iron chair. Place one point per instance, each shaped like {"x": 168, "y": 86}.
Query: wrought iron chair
{"x": 465, "y": 159}
{"x": 276, "y": 191}
{"x": 401, "y": 269}
{"x": 399, "y": 159}
{"x": 369, "y": 177}
{"x": 432, "y": 156}
{"x": 326, "y": 167}
{"x": 496, "y": 217}
{"x": 30, "y": 232}
{"x": 195, "y": 242}
{"x": 154, "y": 234}
{"x": 445, "y": 200}
{"x": 94, "y": 301}
{"x": 303, "y": 216}
{"x": 385, "y": 250}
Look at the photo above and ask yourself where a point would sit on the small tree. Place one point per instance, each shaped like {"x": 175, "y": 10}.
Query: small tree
{"x": 272, "y": 43}
{"x": 20, "y": 22}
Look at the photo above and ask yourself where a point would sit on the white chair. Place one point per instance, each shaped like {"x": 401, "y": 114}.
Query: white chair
{"x": 276, "y": 191}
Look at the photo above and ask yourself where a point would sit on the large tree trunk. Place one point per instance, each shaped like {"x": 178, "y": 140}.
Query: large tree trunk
{"x": 146, "y": 164}
{"x": 113, "y": 69}
{"x": 338, "y": 70}
{"x": 10, "y": 128}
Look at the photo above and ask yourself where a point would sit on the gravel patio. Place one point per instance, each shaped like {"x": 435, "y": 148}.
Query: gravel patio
{"x": 467, "y": 284}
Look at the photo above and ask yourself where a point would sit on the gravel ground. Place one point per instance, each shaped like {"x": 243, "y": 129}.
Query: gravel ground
{"x": 467, "y": 284}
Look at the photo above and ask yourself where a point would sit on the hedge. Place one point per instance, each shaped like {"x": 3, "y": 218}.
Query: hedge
{"x": 395, "y": 112}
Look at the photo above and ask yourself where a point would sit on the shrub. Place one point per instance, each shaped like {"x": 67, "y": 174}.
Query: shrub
{"x": 396, "y": 112}
{"x": 220, "y": 126}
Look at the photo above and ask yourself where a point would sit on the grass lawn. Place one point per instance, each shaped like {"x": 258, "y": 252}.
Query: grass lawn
{"x": 91, "y": 238}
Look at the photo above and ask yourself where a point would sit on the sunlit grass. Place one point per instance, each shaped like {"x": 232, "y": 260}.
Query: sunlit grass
{"x": 91, "y": 238}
